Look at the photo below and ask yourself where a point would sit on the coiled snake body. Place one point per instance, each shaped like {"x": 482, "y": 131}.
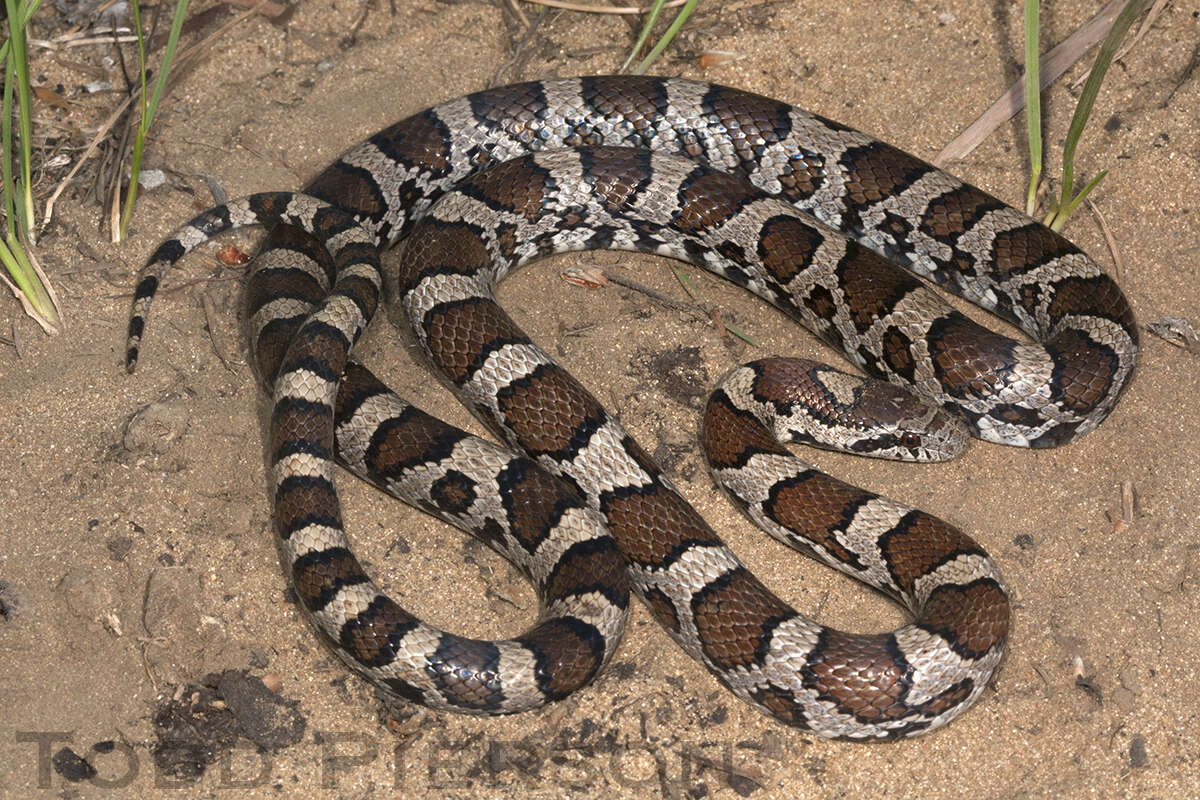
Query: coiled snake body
{"x": 563, "y": 186}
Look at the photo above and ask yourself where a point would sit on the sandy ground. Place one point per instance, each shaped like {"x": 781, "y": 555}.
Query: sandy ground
{"x": 138, "y": 551}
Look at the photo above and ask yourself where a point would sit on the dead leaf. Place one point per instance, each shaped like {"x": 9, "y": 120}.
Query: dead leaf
{"x": 51, "y": 98}
{"x": 1178, "y": 331}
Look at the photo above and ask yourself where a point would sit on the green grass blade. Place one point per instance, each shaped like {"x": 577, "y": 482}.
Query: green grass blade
{"x": 27, "y": 11}
{"x": 19, "y": 74}
{"x": 667, "y": 37}
{"x": 1033, "y": 104}
{"x": 164, "y": 69}
{"x": 17, "y": 266}
{"x": 1048, "y": 220}
{"x": 149, "y": 108}
{"x": 6, "y": 166}
{"x": 1087, "y": 99}
{"x": 141, "y": 44}
{"x": 1060, "y": 219}
{"x": 36, "y": 296}
{"x": 741, "y": 334}
{"x": 685, "y": 281}
{"x": 648, "y": 26}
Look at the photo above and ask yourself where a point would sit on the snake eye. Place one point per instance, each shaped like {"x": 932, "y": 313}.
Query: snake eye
{"x": 910, "y": 439}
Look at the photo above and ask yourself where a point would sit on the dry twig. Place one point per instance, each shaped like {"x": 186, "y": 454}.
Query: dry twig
{"x": 1118, "y": 267}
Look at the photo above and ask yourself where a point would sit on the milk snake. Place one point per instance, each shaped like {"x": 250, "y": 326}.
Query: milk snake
{"x": 652, "y": 196}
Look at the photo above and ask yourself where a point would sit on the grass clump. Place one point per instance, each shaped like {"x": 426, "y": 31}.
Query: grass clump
{"x": 1065, "y": 203}
{"x": 25, "y": 278}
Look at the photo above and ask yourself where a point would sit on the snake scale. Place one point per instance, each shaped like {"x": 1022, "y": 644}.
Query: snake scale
{"x": 717, "y": 177}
